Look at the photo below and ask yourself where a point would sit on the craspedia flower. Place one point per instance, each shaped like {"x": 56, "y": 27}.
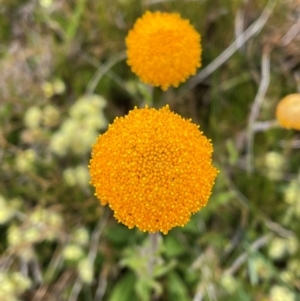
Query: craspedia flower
{"x": 163, "y": 49}
{"x": 288, "y": 111}
{"x": 153, "y": 168}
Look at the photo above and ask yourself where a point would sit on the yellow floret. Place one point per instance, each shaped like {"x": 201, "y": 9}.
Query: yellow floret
{"x": 153, "y": 168}
{"x": 163, "y": 49}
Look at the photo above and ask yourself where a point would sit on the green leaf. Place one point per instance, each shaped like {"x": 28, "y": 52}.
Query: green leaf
{"x": 124, "y": 289}
{"x": 75, "y": 20}
{"x": 232, "y": 152}
{"x": 160, "y": 271}
{"x": 192, "y": 226}
{"x": 214, "y": 239}
{"x": 146, "y": 92}
{"x": 145, "y": 286}
{"x": 118, "y": 234}
{"x": 134, "y": 263}
{"x": 252, "y": 271}
{"x": 176, "y": 288}
{"x": 143, "y": 290}
{"x": 220, "y": 199}
{"x": 173, "y": 247}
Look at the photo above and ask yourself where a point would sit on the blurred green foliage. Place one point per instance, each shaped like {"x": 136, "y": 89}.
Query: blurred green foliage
{"x": 57, "y": 242}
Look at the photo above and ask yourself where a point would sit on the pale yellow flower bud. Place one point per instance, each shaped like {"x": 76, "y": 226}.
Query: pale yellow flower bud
{"x": 85, "y": 271}
{"x": 32, "y": 117}
{"x": 25, "y": 160}
{"x": 6, "y": 212}
{"x": 72, "y": 252}
{"x": 281, "y": 293}
{"x": 81, "y": 236}
{"x": 50, "y": 116}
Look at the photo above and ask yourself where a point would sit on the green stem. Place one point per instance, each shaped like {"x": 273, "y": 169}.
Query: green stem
{"x": 154, "y": 244}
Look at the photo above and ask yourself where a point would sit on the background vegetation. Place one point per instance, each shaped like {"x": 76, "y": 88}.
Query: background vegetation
{"x": 63, "y": 78}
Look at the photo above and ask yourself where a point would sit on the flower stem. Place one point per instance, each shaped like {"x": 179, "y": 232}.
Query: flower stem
{"x": 153, "y": 248}
{"x": 154, "y": 245}
{"x": 154, "y": 237}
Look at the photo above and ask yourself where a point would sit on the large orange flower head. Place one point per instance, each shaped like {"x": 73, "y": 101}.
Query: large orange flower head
{"x": 288, "y": 112}
{"x": 163, "y": 49}
{"x": 153, "y": 168}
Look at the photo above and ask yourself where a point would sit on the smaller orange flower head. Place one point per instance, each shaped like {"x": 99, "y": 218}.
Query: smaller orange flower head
{"x": 153, "y": 168}
{"x": 163, "y": 49}
{"x": 288, "y": 112}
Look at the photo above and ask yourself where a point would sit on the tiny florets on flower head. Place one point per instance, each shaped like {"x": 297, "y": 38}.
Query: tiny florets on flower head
{"x": 288, "y": 111}
{"x": 153, "y": 168}
{"x": 163, "y": 49}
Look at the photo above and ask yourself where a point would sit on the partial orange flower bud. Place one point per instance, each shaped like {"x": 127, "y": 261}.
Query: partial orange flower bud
{"x": 288, "y": 112}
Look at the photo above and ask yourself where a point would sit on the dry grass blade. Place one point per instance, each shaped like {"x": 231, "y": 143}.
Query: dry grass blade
{"x": 260, "y": 242}
{"x": 259, "y": 98}
{"x": 102, "y": 70}
{"x": 227, "y": 53}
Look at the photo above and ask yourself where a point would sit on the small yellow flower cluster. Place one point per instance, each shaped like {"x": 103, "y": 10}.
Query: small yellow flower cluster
{"x": 40, "y": 225}
{"x": 12, "y": 285}
{"x": 6, "y": 211}
{"x": 153, "y": 168}
{"x": 72, "y": 253}
{"x": 55, "y": 87}
{"x": 81, "y": 236}
{"x": 85, "y": 271}
{"x": 32, "y": 117}
{"x": 163, "y": 49}
{"x": 77, "y": 176}
{"x": 280, "y": 248}
{"x": 50, "y": 116}
{"x": 263, "y": 270}
{"x": 274, "y": 163}
{"x": 281, "y": 293}
{"x": 75, "y": 253}
{"x": 293, "y": 270}
{"x": 80, "y": 130}
{"x": 25, "y": 161}
{"x": 229, "y": 283}
{"x": 38, "y": 121}
{"x": 51, "y": 219}
{"x": 35, "y": 117}
{"x": 291, "y": 197}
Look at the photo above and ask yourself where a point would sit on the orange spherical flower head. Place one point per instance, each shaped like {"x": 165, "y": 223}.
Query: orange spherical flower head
{"x": 153, "y": 168}
{"x": 288, "y": 112}
{"x": 163, "y": 49}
